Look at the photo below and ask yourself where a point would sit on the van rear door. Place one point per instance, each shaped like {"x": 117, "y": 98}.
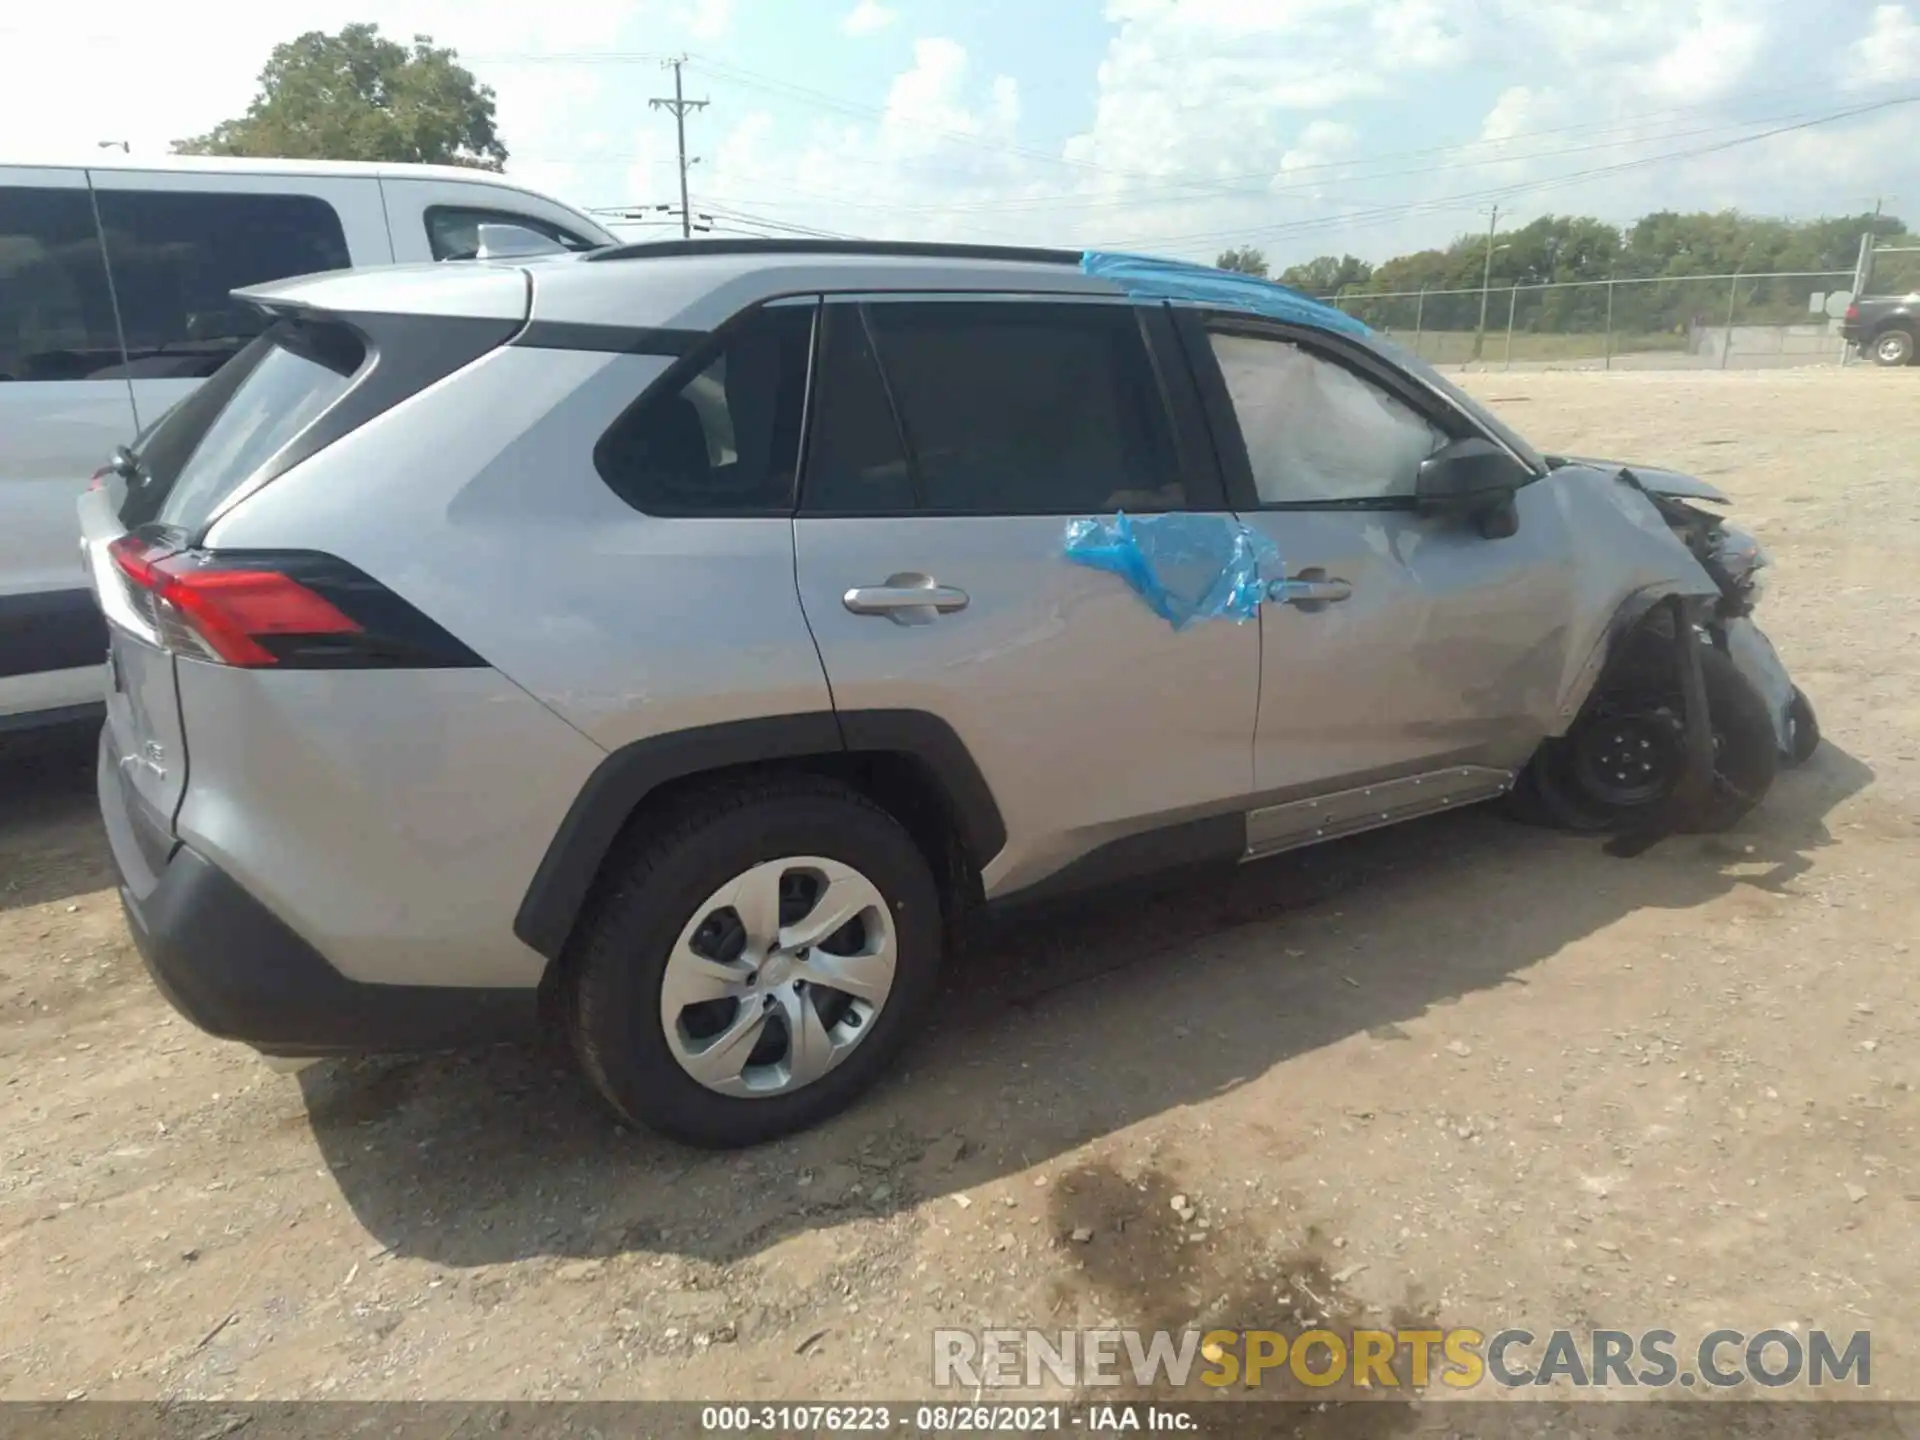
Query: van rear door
{"x": 64, "y": 405}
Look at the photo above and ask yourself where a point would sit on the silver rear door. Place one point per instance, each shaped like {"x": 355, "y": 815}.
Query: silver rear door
{"x": 951, "y": 470}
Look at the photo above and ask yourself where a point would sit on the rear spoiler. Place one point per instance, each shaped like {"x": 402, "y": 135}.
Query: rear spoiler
{"x": 477, "y": 290}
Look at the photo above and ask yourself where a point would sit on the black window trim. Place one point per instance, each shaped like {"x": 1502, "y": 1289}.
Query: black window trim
{"x": 1180, "y": 406}
{"x": 1196, "y": 326}
{"x": 692, "y": 360}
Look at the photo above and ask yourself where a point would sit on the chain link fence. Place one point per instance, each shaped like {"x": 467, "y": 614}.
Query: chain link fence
{"x": 1700, "y": 322}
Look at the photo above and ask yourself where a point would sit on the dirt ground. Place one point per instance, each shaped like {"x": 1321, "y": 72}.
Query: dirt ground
{"x": 1460, "y": 1072}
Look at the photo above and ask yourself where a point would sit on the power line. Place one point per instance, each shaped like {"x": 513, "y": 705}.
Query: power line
{"x": 679, "y": 105}
{"x": 775, "y": 85}
{"x": 1132, "y": 198}
{"x": 1468, "y": 198}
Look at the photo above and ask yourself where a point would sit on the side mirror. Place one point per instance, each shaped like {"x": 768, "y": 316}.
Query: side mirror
{"x": 1472, "y": 479}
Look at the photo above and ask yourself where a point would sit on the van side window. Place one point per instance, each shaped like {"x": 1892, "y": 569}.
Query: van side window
{"x": 453, "y": 231}
{"x": 56, "y": 317}
{"x": 724, "y": 440}
{"x": 177, "y": 255}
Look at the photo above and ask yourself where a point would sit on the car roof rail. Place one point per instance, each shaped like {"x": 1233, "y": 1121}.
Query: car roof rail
{"x": 661, "y": 249}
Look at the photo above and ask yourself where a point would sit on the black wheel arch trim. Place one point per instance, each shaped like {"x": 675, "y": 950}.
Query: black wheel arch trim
{"x": 1633, "y": 611}
{"x": 626, "y": 777}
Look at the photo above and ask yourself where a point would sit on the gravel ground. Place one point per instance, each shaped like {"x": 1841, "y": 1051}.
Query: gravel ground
{"x": 1458, "y": 1072}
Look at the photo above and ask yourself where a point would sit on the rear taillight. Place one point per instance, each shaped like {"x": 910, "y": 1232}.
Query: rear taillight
{"x": 1853, "y": 312}
{"x": 284, "y": 610}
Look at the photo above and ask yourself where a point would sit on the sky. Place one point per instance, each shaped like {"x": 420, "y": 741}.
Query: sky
{"x": 1176, "y": 127}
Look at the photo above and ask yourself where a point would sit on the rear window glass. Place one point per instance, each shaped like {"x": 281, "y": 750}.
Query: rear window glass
{"x": 223, "y": 433}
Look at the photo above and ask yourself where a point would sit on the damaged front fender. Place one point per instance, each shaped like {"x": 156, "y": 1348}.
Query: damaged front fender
{"x": 1625, "y": 560}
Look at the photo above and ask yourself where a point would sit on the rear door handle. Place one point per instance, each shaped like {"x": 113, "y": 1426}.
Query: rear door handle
{"x": 1309, "y": 588}
{"x": 906, "y": 599}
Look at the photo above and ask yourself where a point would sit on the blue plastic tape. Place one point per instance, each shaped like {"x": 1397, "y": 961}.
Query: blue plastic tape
{"x": 1144, "y": 277}
{"x": 1186, "y": 567}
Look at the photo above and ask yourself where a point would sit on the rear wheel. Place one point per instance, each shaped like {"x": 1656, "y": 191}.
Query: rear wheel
{"x": 1893, "y": 347}
{"x": 757, "y": 964}
{"x": 1616, "y": 768}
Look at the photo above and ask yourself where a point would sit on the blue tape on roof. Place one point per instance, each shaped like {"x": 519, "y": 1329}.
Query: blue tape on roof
{"x": 1144, "y": 277}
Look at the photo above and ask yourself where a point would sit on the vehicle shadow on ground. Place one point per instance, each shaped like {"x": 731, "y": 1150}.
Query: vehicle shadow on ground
{"x": 1053, "y": 1031}
{"x": 51, "y": 844}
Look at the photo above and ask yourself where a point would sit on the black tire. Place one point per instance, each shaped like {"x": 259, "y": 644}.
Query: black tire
{"x": 1892, "y": 347}
{"x": 1806, "y": 729}
{"x": 614, "y": 971}
{"x": 1551, "y": 789}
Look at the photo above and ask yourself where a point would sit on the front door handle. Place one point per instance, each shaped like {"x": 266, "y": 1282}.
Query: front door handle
{"x": 1309, "y": 588}
{"x": 906, "y": 599}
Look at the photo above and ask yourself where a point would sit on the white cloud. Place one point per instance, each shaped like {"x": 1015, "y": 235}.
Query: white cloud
{"x": 1417, "y": 35}
{"x": 1370, "y": 126}
{"x": 1888, "y": 52}
{"x": 709, "y": 20}
{"x": 1712, "y": 56}
{"x": 1318, "y": 145}
{"x": 156, "y": 75}
{"x": 867, "y": 17}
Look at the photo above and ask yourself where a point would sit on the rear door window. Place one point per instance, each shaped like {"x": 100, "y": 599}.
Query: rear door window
{"x": 1027, "y": 407}
{"x": 56, "y": 314}
{"x": 177, "y": 256}
{"x": 223, "y": 433}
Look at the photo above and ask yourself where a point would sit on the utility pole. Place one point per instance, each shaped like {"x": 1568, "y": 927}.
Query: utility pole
{"x": 1486, "y": 280}
{"x": 680, "y": 105}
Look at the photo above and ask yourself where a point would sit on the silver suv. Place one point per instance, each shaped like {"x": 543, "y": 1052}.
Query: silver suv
{"x": 678, "y": 639}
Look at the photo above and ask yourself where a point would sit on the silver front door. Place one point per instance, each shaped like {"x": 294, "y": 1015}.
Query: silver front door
{"x": 935, "y": 495}
{"x": 1404, "y": 644}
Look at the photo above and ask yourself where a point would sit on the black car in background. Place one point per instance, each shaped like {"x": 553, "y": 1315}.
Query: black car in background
{"x": 1883, "y": 327}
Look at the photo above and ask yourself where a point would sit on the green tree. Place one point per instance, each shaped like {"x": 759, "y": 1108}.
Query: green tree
{"x": 360, "y": 96}
{"x": 1327, "y": 274}
{"x": 1243, "y": 259}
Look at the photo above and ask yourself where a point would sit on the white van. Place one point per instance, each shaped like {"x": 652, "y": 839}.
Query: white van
{"x": 115, "y": 281}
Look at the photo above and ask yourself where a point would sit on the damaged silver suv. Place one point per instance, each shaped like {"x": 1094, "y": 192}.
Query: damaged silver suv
{"x": 675, "y": 639}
